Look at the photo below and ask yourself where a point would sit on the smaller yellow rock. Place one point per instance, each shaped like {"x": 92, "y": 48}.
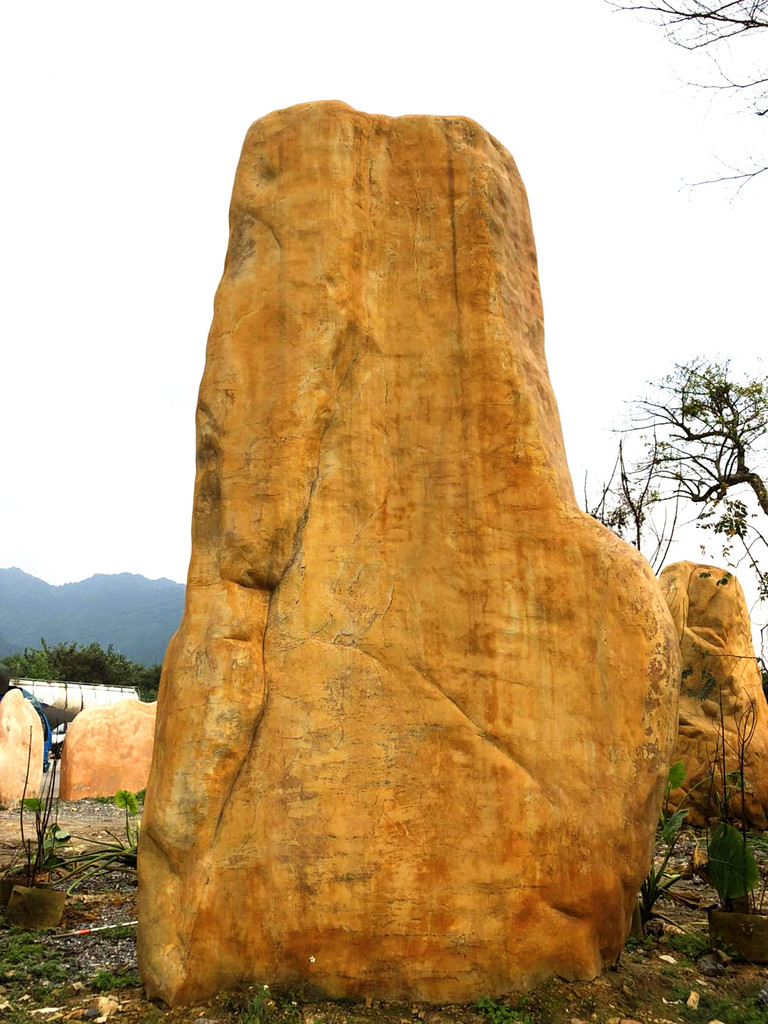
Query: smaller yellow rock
{"x": 108, "y": 748}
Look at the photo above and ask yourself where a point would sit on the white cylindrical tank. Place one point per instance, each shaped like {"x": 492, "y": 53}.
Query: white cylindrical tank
{"x": 63, "y": 701}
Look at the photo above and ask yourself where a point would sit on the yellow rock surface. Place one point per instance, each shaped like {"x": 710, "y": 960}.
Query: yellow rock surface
{"x": 17, "y": 718}
{"x": 713, "y": 624}
{"x": 106, "y": 749}
{"x": 413, "y": 726}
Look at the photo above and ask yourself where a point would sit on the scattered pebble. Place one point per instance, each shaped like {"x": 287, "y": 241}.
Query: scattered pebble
{"x": 710, "y": 966}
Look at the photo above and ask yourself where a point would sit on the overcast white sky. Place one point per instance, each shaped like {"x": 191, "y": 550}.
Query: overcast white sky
{"x": 121, "y": 128}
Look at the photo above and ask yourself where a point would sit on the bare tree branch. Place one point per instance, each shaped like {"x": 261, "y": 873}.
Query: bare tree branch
{"x": 715, "y": 28}
{"x": 626, "y": 503}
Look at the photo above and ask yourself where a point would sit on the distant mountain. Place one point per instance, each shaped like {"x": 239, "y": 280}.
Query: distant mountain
{"x": 136, "y": 615}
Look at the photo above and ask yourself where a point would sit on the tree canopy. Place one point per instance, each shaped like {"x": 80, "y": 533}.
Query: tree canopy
{"x": 84, "y": 663}
{"x": 711, "y": 430}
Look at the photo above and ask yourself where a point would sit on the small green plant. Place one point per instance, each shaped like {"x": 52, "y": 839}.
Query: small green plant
{"x": 129, "y": 802}
{"x": 50, "y": 838}
{"x": 501, "y": 1013}
{"x": 659, "y": 881}
{"x": 40, "y": 853}
{"x": 19, "y": 947}
{"x": 118, "y": 855}
{"x": 124, "y": 931}
{"x": 732, "y": 868}
{"x": 23, "y": 955}
{"x": 730, "y": 1010}
{"x": 635, "y": 945}
{"x": 289, "y": 1009}
{"x": 691, "y": 944}
{"x": 107, "y": 981}
{"x": 51, "y": 970}
{"x": 259, "y": 1006}
{"x": 676, "y": 992}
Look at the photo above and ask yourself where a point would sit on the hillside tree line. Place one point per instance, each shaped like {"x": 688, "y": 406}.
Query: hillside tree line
{"x": 84, "y": 663}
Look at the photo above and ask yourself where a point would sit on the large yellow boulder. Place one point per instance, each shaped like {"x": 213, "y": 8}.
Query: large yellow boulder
{"x": 21, "y": 749}
{"x": 413, "y": 726}
{"x": 106, "y": 749}
{"x": 721, "y": 693}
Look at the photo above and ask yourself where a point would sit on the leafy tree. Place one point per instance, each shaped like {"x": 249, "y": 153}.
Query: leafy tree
{"x": 722, "y": 30}
{"x": 32, "y": 664}
{"x": 708, "y": 452}
{"x": 711, "y": 429}
{"x": 148, "y": 682}
{"x": 86, "y": 663}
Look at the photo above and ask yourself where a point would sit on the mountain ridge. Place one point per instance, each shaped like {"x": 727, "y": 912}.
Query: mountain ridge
{"x": 135, "y": 614}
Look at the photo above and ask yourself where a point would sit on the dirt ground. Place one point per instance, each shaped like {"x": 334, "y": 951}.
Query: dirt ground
{"x": 79, "y": 973}
{"x": 91, "y": 818}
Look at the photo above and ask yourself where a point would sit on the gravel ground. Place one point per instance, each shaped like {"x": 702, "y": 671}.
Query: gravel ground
{"x": 87, "y": 818}
{"x": 69, "y": 970}
{"x": 112, "y": 949}
{"x": 104, "y": 899}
